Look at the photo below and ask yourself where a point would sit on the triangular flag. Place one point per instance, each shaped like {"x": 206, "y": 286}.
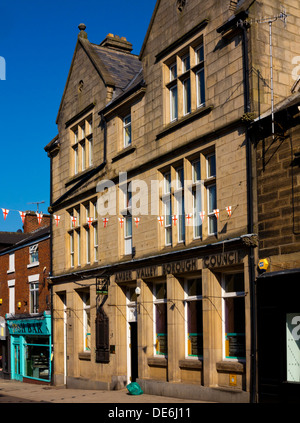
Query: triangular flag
{"x": 121, "y": 220}
{"x": 90, "y": 221}
{"x": 137, "y": 220}
{"x": 22, "y": 214}
{"x": 57, "y": 219}
{"x": 228, "y": 210}
{"x": 105, "y": 221}
{"x": 74, "y": 219}
{"x": 5, "y": 213}
{"x": 217, "y": 212}
{"x": 40, "y": 217}
{"x": 188, "y": 217}
{"x": 161, "y": 220}
{"x": 202, "y": 215}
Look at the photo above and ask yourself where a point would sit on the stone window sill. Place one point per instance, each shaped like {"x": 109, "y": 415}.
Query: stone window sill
{"x": 84, "y": 356}
{"x": 128, "y": 150}
{"x": 157, "y": 361}
{"x": 191, "y": 364}
{"x": 230, "y": 366}
{"x": 184, "y": 121}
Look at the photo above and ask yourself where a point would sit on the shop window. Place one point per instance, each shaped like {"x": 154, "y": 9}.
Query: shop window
{"x": 193, "y": 318}
{"x": 37, "y": 358}
{"x": 86, "y": 322}
{"x": 160, "y": 319}
{"x": 234, "y": 316}
{"x": 293, "y": 347}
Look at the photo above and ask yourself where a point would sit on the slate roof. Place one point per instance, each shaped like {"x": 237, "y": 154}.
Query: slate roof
{"x": 122, "y": 67}
{"x": 12, "y": 240}
{"x": 9, "y": 238}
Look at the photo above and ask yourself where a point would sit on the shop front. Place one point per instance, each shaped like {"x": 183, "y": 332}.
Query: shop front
{"x": 188, "y": 325}
{"x": 30, "y": 341}
{"x": 278, "y": 324}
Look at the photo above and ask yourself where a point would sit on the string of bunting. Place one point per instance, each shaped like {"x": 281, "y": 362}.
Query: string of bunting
{"x": 121, "y": 219}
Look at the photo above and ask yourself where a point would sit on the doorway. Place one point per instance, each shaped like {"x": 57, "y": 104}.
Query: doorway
{"x": 16, "y": 371}
{"x": 132, "y": 336}
{"x": 133, "y": 351}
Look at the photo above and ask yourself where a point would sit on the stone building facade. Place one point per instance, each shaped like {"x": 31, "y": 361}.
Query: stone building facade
{"x": 153, "y": 193}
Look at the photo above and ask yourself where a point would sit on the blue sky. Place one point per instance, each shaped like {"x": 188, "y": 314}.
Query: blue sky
{"x": 37, "y": 42}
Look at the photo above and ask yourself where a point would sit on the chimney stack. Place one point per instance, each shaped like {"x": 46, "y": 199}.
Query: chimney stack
{"x": 115, "y": 42}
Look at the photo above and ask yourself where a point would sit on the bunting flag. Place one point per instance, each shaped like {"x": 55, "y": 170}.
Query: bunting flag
{"x": 228, "y": 209}
{"x": 57, "y": 219}
{"x": 137, "y": 220}
{"x": 5, "y": 213}
{"x": 22, "y": 214}
{"x": 188, "y": 217}
{"x": 174, "y": 218}
{"x": 161, "y": 220}
{"x": 105, "y": 221}
{"x": 40, "y": 217}
{"x": 217, "y": 212}
{"x": 202, "y": 215}
{"x": 90, "y": 221}
{"x": 121, "y": 220}
{"x": 74, "y": 219}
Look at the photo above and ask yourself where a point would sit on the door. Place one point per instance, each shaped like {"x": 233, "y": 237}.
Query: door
{"x": 133, "y": 351}
{"x": 132, "y": 343}
{"x": 16, "y": 363}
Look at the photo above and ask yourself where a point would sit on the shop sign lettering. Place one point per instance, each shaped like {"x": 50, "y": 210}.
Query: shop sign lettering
{"x": 27, "y": 328}
{"x": 222, "y": 259}
{"x": 179, "y": 267}
{"x": 123, "y": 276}
{"x": 146, "y": 272}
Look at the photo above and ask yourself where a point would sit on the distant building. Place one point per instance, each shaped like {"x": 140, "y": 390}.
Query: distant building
{"x": 25, "y": 303}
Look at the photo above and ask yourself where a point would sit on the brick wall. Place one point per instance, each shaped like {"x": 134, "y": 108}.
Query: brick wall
{"x": 279, "y": 196}
{"x": 31, "y": 222}
{"x": 21, "y": 274}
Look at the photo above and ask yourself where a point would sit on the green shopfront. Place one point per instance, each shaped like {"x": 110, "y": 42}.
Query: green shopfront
{"x": 30, "y": 347}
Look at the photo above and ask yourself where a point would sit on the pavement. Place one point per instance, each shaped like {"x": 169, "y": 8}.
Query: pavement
{"x": 12, "y": 391}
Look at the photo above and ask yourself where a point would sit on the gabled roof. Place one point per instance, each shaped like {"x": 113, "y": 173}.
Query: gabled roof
{"x": 115, "y": 68}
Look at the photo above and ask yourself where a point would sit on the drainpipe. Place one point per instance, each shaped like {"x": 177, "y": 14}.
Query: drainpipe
{"x": 50, "y": 274}
{"x": 244, "y": 25}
